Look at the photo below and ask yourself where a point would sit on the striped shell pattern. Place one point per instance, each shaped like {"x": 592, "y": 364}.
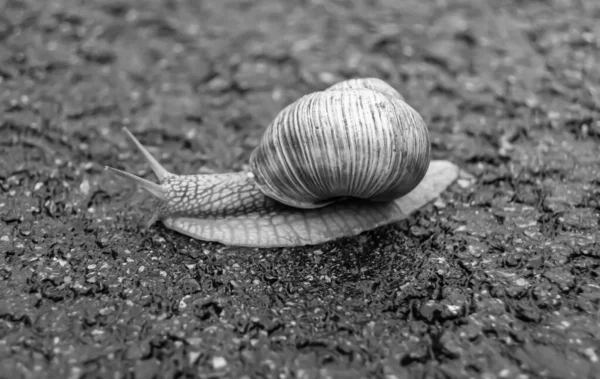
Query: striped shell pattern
{"x": 356, "y": 139}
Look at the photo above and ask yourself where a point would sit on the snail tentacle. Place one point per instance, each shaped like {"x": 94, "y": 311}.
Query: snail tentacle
{"x": 155, "y": 189}
{"x": 161, "y": 173}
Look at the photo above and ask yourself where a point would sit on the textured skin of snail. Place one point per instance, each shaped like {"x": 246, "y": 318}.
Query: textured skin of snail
{"x": 261, "y": 208}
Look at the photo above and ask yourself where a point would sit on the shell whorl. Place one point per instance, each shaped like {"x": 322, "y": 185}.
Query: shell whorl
{"x": 356, "y": 139}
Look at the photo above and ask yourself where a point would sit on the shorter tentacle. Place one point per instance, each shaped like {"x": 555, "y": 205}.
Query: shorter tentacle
{"x": 155, "y": 189}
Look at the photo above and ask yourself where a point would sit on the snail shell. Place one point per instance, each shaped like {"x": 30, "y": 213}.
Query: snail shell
{"x": 356, "y": 139}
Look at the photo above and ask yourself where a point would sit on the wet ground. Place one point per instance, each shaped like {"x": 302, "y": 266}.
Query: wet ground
{"x": 496, "y": 280}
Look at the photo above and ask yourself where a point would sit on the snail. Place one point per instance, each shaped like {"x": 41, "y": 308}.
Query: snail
{"x": 332, "y": 164}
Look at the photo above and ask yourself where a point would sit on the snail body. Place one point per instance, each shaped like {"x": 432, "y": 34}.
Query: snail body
{"x": 332, "y": 164}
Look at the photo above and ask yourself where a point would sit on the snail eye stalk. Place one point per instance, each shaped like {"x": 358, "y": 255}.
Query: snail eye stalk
{"x": 155, "y": 189}
{"x": 160, "y": 172}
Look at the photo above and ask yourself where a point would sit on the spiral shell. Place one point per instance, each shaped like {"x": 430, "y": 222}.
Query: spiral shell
{"x": 356, "y": 139}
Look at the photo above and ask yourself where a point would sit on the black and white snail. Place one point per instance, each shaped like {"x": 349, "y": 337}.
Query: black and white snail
{"x": 332, "y": 164}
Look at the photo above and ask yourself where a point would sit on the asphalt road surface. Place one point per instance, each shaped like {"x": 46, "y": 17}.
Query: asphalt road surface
{"x": 500, "y": 279}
